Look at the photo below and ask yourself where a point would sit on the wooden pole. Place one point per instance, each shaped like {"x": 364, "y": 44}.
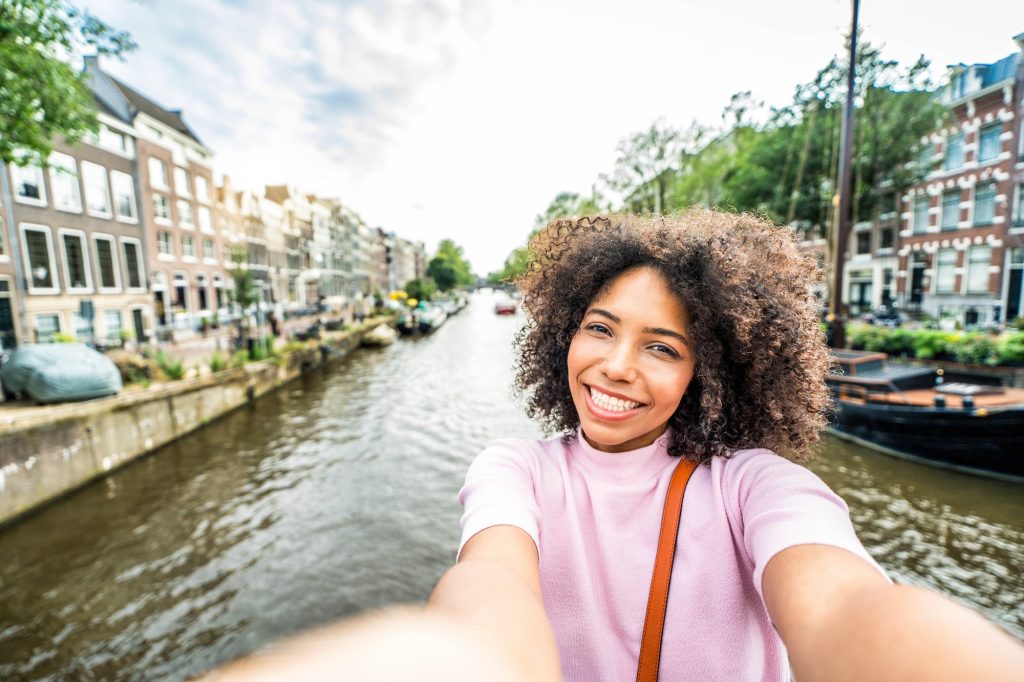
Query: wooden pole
{"x": 842, "y": 215}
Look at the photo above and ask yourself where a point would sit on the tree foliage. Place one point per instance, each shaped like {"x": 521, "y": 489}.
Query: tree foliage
{"x": 41, "y": 94}
{"x": 420, "y": 289}
{"x": 449, "y": 268}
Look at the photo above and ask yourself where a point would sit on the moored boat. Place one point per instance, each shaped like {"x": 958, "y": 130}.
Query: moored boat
{"x": 505, "y": 307}
{"x": 381, "y": 335}
{"x": 915, "y": 413}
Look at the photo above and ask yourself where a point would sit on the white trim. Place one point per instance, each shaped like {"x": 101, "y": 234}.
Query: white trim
{"x": 96, "y": 238}
{"x": 164, "y": 185}
{"x": 140, "y": 259}
{"x": 54, "y": 170}
{"x": 33, "y": 333}
{"x": 28, "y": 201}
{"x": 132, "y": 219}
{"x": 84, "y": 242}
{"x": 47, "y": 231}
{"x": 109, "y": 213}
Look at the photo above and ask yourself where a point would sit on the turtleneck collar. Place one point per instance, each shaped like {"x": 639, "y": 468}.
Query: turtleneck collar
{"x": 630, "y": 467}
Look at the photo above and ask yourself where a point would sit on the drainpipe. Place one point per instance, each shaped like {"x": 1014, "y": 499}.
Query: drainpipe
{"x": 20, "y": 290}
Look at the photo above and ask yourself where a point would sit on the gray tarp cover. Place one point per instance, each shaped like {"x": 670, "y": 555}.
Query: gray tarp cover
{"x": 54, "y": 372}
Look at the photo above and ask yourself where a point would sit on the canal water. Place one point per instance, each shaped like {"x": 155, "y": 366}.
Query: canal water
{"x": 337, "y": 494}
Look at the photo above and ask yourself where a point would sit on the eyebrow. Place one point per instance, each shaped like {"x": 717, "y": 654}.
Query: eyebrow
{"x": 646, "y": 330}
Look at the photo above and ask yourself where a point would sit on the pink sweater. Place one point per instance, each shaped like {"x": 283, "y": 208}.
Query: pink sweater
{"x": 595, "y": 518}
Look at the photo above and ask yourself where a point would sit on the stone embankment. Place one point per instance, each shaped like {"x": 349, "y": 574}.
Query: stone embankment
{"x": 47, "y": 451}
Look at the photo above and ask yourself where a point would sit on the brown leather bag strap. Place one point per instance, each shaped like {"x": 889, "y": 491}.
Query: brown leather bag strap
{"x": 657, "y": 600}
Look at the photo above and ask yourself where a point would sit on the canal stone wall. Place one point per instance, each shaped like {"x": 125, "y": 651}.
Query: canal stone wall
{"x": 56, "y": 449}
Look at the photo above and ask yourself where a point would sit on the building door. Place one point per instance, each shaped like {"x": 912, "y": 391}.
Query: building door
{"x": 7, "y": 336}
{"x": 917, "y": 279}
{"x": 1014, "y": 285}
{"x": 140, "y": 325}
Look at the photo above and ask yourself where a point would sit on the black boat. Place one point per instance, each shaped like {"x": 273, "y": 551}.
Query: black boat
{"x": 921, "y": 414}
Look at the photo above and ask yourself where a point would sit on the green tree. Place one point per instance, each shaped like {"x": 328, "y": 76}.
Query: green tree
{"x": 41, "y": 94}
{"x": 420, "y": 289}
{"x": 245, "y": 294}
{"x": 645, "y": 168}
{"x": 449, "y": 267}
{"x": 569, "y": 205}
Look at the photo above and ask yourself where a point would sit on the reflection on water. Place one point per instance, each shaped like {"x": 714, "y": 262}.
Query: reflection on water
{"x": 337, "y": 494}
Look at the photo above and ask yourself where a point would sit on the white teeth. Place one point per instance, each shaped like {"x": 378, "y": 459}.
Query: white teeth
{"x": 607, "y": 402}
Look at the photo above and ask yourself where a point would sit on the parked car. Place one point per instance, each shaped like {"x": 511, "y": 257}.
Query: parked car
{"x": 886, "y": 316}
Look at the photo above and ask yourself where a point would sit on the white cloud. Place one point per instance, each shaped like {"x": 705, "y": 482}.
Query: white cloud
{"x": 463, "y": 118}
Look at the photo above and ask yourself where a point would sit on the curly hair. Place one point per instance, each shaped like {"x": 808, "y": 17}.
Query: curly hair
{"x": 761, "y": 356}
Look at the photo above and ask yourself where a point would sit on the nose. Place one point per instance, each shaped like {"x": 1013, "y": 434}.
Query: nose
{"x": 620, "y": 363}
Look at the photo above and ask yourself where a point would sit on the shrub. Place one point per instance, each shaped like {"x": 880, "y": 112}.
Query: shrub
{"x": 174, "y": 369}
{"x": 975, "y": 349}
{"x": 217, "y": 362}
{"x": 899, "y": 342}
{"x": 240, "y": 358}
{"x": 929, "y": 344}
{"x": 61, "y": 337}
{"x": 1011, "y": 348}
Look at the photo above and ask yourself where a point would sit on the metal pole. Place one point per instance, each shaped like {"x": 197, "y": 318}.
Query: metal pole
{"x": 842, "y": 230}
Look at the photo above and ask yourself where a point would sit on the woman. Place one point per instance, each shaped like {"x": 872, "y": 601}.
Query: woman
{"x": 651, "y": 340}
{"x": 695, "y": 337}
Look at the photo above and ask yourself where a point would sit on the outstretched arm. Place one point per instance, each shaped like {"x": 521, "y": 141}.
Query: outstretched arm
{"x": 495, "y": 591}
{"x": 841, "y": 620}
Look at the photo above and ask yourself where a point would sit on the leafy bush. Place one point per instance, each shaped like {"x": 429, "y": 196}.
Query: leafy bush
{"x": 899, "y": 341}
{"x": 174, "y": 369}
{"x": 217, "y": 362}
{"x": 929, "y": 344}
{"x": 975, "y": 349}
{"x": 240, "y": 358}
{"x": 1011, "y": 349}
{"x": 61, "y": 337}
{"x": 1017, "y": 323}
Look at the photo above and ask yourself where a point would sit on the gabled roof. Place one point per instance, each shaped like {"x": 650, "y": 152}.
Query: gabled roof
{"x": 169, "y": 117}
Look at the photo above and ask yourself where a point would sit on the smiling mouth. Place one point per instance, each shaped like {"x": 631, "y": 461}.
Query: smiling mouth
{"x": 611, "y": 403}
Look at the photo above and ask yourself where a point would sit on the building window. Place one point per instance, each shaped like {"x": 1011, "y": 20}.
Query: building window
{"x": 28, "y": 185}
{"x": 47, "y": 327}
{"x": 978, "y": 260}
{"x": 114, "y": 324}
{"x": 1018, "y": 207}
{"x": 163, "y": 243}
{"x": 218, "y": 291}
{"x": 158, "y": 173}
{"x": 205, "y": 224}
{"x": 886, "y": 237}
{"x": 179, "y": 292}
{"x": 185, "y": 215}
{"x": 925, "y": 158}
{"x": 82, "y": 327}
{"x": 181, "y": 183}
{"x": 39, "y": 258}
{"x": 76, "y": 262}
{"x": 208, "y": 248}
{"x": 97, "y": 192}
{"x": 950, "y": 210}
{"x": 945, "y": 271}
{"x": 64, "y": 183}
{"x": 988, "y": 142}
{"x": 188, "y": 246}
{"x": 921, "y": 204}
{"x": 124, "y": 196}
{"x": 201, "y": 289}
{"x": 112, "y": 139}
{"x": 863, "y": 242}
{"x": 106, "y": 262}
{"x": 984, "y": 203}
{"x": 954, "y": 152}
{"x": 161, "y": 207}
{"x": 202, "y": 189}
{"x": 133, "y": 264}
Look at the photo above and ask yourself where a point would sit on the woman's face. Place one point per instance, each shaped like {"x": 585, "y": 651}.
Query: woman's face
{"x": 630, "y": 362}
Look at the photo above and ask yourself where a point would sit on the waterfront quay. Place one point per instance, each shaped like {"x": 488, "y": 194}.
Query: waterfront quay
{"x": 336, "y": 493}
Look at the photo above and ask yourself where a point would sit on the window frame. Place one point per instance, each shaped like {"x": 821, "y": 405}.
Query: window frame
{"x": 182, "y": 223}
{"x": 974, "y": 215}
{"x": 15, "y": 172}
{"x": 946, "y": 196}
{"x": 139, "y": 262}
{"x": 166, "y": 202}
{"x": 98, "y": 237}
{"x": 939, "y": 266}
{"x": 47, "y": 232}
{"x": 182, "y": 182}
{"x": 959, "y": 137}
{"x": 115, "y": 175}
{"x": 926, "y": 201}
{"x": 71, "y": 174}
{"x": 102, "y": 172}
{"x": 161, "y": 253}
{"x": 998, "y": 128}
{"x": 35, "y": 324}
{"x": 163, "y": 181}
{"x": 968, "y": 268}
{"x": 188, "y": 253}
{"x": 83, "y": 241}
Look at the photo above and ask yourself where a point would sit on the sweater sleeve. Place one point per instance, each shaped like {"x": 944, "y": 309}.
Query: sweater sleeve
{"x": 499, "y": 491}
{"x": 783, "y": 504}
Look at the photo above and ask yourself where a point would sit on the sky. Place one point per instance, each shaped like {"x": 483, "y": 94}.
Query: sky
{"x": 463, "y": 119}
